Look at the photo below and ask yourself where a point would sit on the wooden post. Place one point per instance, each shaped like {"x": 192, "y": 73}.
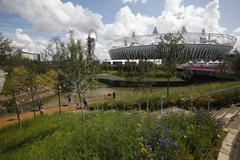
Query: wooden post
{"x": 161, "y": 104}
{"x": 147, "y": 106}
{"x": 209, "y": 103}
{"x": 191, "y": 104}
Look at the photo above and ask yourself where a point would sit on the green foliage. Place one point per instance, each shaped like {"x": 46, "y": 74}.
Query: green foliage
{"x": 66, "y": 84}
{"x": 173, "y": 43}
{"x": 179, "y": 97}
{"x": 5, "y": 46}
{"x": 24, "y": 78}
{"x": 19, "y": 81}
{"x": 109, "y": 135}
{"x": 235, "y": 63}
{"x": 178, "y": 136}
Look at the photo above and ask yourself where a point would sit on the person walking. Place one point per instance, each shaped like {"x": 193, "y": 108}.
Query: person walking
{"x": 114, "y": 95}
{"x": 69, "y": 99}
{"x": 85, "y": 102}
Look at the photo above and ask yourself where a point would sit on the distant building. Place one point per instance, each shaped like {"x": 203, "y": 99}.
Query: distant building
{"x": 2, "y": 80}
{"x": 30, "y": 55}
{"x": 24, "y": 54}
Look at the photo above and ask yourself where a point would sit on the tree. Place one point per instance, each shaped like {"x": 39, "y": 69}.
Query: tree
{"x": 81, "y": 71}
{"x": 55, "y": 49}
{"x": 15, "y": 84}
{"x": 235, "y": 63}
{"x": 173, "y": 43}
{"x": 5, "y": 46}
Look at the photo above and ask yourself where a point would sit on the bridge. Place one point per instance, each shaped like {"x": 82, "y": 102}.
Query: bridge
{"x": 207, "y": 71}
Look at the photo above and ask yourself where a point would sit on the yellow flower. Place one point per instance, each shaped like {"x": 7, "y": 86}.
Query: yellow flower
{"x": 190, "y": 157}
{"x": 144, "y": 149}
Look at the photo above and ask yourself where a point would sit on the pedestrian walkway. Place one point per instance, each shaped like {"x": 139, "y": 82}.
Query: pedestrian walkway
{"x": 6, "y": 121}
{"x": 230, "y": 117}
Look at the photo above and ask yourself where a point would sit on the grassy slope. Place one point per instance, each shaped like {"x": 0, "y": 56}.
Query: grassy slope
{"x": 175, "y": 92}
{"x": 107, "y": 135}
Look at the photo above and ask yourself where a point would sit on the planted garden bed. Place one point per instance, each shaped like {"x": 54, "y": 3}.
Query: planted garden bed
{"x": 113, "y": 135}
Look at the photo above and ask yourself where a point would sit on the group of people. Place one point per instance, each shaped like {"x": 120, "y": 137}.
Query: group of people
{"x": 85, "y": 101}
{"x": 40, "y": 107}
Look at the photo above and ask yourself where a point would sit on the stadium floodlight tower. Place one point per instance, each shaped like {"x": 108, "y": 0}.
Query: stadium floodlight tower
{"x": 91, "y": 43}
{"x": 198, "y": 46}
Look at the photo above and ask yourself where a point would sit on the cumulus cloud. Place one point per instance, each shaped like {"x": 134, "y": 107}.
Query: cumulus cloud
{"x": 174, "y": 16}
{"x": 56, "y": 15}
{"x": 23, "y": 40}
{"x": 53, "y": 15}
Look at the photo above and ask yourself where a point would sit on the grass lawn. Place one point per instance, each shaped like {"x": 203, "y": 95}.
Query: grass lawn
{"x": 112, "y": 135}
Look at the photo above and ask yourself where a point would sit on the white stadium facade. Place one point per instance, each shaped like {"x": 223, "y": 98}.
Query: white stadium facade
{"x": 200, "y": 46}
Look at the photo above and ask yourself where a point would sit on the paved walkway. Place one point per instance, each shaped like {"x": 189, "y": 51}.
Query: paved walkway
{"x": 231, "y": 118}
{"x": 5, "y": 121}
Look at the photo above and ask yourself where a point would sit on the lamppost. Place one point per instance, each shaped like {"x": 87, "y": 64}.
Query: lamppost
{"x": 191, "y": 72}
{"x": 162, "y": 97}
{"x": 209, "y": 103}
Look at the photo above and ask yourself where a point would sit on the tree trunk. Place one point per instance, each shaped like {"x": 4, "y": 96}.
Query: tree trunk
{"x": 15, "y": 103}
{"x": 33, "y": 102}
{"x": 168, "y": 85}
{"x": 80, "y": 100}
{"x": 59, "y": 99}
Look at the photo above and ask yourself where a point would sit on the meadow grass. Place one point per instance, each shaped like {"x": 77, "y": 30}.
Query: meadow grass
{"x": 177, "y": 96}
{"x": 110, "y": 135}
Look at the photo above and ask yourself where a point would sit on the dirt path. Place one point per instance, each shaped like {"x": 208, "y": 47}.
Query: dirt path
{"x": 8, "y": 120}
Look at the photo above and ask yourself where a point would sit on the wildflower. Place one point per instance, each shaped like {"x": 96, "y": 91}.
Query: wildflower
{"x": 190, "y": 157}
{"x": 218, "y": 136}
{"x": 144, "y": 149}
{"x": 175, "y": 144}
{"x": 158, "y": 126}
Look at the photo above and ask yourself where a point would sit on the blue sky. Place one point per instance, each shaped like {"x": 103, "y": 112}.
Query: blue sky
{"x": 33, "y": 21}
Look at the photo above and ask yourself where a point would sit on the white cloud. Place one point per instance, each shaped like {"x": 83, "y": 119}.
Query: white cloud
{"x": 174, "y": 16}
{"x": 23, "y": 40}
{"x": 53, "y": 15}
{"x": 57, "y": 16}
{"x": 134, "y": 1}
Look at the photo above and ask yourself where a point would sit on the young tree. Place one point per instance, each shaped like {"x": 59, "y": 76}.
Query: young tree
{"x": 81, "y": 71}
{"x": 173, "y": 43}
{"x": 15, "y": 84}
{"x": 235, "y": 63}
{"x": 5, "y": 46}
{"x": 34, "y": 72}
{"x": 55, "y": 49}
{"x": 140, "y": 71}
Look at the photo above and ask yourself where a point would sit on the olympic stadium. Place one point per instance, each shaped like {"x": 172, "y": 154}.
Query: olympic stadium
{"x": 200, "y": 46}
